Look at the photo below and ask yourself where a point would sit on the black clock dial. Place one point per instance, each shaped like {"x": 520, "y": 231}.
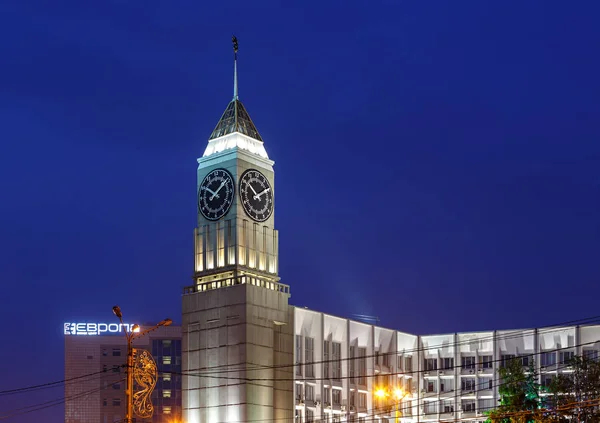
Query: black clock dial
{"x": 256, "y": 195}
{"x": 215, "y": 195}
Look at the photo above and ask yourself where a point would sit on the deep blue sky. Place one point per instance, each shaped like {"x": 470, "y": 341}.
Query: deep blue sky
{"x": 437, "y": 163}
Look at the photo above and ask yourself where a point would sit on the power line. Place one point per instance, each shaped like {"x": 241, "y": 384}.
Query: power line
{"x": 412, "y": 372}
{"x": 507, "y": 335}
{"x": 50, "y": 384}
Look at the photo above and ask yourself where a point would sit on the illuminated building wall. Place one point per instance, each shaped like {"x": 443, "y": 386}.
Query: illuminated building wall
{"x": 445, "y": 377}
{"x": 101, "y": 398}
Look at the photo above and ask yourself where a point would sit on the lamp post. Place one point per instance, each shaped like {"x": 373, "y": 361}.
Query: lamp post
{"x": 130, "y": 336}
{"x": 398, "y": 395}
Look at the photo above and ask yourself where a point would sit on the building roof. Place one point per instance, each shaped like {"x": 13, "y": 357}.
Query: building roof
{"x": 235, "y": 118}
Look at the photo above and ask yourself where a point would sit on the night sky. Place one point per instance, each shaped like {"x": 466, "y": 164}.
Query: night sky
{"x": 437, "y": 162}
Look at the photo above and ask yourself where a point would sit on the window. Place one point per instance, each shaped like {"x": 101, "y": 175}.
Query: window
{"x": 548, "y": 358}
{"x": 525, "y": 360}
{"x": 166, "y": 377}
{"x": 448, "y": 363}
{"x": 468, "y": 362}
{"x": 430, "y": 364}
{"x": 352, "y": 398}
{"x": 104, "y": 367}
{"x": 399, "y": 363}
{"x": 362, "y": 400}
{"x": 468, "y": 406}
{"x": 166, "y": 393}
{"x": 566, "y": 357}
{"x": 336, "y": 356}
{"x": 408, "y": 361}
{"x": 485, "y": 383}
{"x": 116, "y": 402}
{"x": 486, "y": 361}
{"x": 309, "y": 348}
{"x": 448, "y": 406}
{"x": 547, "y": 380}
{"x": 116, "y": 352}
{"x": 298, "y": 355}
{"x": 299, "y": 391}
{"x": 166, "y": 343}
{"x": 430, "y": 407}
{"x": 166, "y": 360}
{"x": 105, "y": 402}
{"x": 430, "y": 386}
{"x": 104, "y": 352}
{"x": 467, "y": 384}
{"x": 485, "y": 404}
{"x": 167, "y": 409}
{"x": 116, "y": 386}
{"x": 590, "y": 355}
{"x": 505, "y": 359}
{"x": 386, "y": 359}
{"x": 309, "y": 392}
{"x": 309, "y": 415}
{"x": 327, "y": 364}
{"x": 327, "y": 395}
{"x": 116, "y": 369}
{"x": 362, "y": 366}
{"x": 336, "y": 395}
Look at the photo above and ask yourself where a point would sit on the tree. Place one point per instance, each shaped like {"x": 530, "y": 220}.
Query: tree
{"x": 575, "y": 395}
{"x": 519, "y": 394}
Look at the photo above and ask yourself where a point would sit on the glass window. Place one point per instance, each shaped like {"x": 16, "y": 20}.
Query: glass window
{"x": 116, "y": 352}
{"x": 566, "y": 357}
{"x": 104, "y": 352}
{"x": 362, "y": 366}
{"x": 166, "y": 377}
{"x": 548, "y": 358}
{"x": 309, "y": 415}
{"x": 486, "y": 361}
{"x": 336, "y": 395}
{"x": 116, "y": 402}
{"x": 309, "y": 349}
{"x": 166, "y": 360}
{"x": 166, "y": 393}
{"x": 105, "y": 402}
{"x": 299, "y": 391}
{"x": 408, "y": 366}
{"x": 430, "y": 387}
{"x": 468, "y": 362}
{"x": 590, "y": 354}
{"x": 166, "y": 343}
{"x": 430, "y": 364}
{"x": 327, "y": 395}
{"x": 309, "y": 392}
{"x": 116, "y": 386}
{"x": 298, "y": 355}
{"x": 467, "y": 384}
{"x": 326, "y": 360}
{"x": 167, "y": 409}
{"x": 448, "y": 406}
{"x": 485, "y": 383}
{"x": 468, "y": 406}
{"x": 448, "y": 363}
{"x": 362, "y": 399}
{"x": 505, "y": 359}
{"x": 336, "y": 356}
{"x": 430, "y": 407}
{"x": 116, "y": 369}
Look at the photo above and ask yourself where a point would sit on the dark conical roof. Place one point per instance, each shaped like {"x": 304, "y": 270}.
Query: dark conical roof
{"x": 235, "y": 119}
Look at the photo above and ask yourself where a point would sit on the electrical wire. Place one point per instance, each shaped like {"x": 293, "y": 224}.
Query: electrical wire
{"x": 508, "y": 335}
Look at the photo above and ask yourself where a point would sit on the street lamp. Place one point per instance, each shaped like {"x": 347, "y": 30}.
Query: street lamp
{"x": 397, "y": 396}
{"x": 131, "y": 336}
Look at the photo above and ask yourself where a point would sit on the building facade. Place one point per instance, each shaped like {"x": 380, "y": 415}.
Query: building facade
{"x": 248, "y": 355}
{"x": 95, "y": 372}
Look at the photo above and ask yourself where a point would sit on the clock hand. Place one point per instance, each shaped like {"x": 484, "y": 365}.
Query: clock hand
{"x": 252, "y": 188}
{"x": 215, "y": 194}
{"x": 257, "y": 196}
{"x": 210, "y": 190}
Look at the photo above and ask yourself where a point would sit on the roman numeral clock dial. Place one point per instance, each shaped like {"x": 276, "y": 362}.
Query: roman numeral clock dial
{"x": 215, "y": 195}
{"x": 256, "y": 195}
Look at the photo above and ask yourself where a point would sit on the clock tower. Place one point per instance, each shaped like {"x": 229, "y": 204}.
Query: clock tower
{"x": 237, "y": 324}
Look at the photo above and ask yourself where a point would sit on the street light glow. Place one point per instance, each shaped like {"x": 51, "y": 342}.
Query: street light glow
{"x": 380, "y": 393}
{"x": 399, "y": 393}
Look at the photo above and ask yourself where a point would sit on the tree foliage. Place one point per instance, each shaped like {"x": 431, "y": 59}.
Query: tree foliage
{"x": 572, "y": 396}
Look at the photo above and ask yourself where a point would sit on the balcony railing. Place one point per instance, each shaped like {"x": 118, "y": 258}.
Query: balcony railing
{"x": 238, "y": 280}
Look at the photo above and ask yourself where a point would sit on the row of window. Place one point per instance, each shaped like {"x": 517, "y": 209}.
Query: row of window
{"x": 467, "y": 406}
{"x": 467, "y": 362}
{"x": 466, "y": 384}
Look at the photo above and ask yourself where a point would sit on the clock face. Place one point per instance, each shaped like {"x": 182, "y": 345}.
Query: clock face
{"x": 256, "y": 195}
{"x": 215, "y": 195}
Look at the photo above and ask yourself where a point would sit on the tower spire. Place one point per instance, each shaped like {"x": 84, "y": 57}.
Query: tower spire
{"x": 235, "y": 50}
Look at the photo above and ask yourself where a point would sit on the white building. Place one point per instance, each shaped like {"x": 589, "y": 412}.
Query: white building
{"x": 250, "y": 356}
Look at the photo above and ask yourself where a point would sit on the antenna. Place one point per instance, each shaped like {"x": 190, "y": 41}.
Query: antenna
{"x": 235, "y": 50}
